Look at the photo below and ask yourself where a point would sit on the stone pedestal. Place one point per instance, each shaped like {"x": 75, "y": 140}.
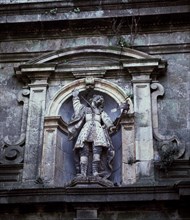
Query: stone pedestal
{"x": 90, "y": 181}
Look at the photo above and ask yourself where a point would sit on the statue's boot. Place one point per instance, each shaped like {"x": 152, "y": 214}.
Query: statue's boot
{"x": 95, "y": 166}
{"x": 84, "y": 167}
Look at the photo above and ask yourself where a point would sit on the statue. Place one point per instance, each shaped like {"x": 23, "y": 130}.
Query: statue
{"x": 92, "y": 127}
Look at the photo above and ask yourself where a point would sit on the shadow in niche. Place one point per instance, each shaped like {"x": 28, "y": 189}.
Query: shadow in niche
{"x": 66, "y": 112}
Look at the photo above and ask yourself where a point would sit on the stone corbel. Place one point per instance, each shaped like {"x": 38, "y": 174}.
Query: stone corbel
{"x": 168, "y": 147}
{"x": 13, "y": 151}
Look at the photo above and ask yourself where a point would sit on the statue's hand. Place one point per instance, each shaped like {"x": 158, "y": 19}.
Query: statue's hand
{"x": 112, "y": 129}
{"x": 75, "y": 92}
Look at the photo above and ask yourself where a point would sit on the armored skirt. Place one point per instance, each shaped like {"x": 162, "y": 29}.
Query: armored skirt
{"x": 92, "y": 131}
{"x": 92, "y": 126}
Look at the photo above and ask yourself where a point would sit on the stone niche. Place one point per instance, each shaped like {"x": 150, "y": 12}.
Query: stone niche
{"x": 116, "y": 73}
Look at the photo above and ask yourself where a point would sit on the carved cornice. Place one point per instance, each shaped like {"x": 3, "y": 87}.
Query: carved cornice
{"x": 98, "y": 61}
{"x": 104, "y": 62}
{"x": 151, "y": 50}
{"x": 66, "y": 11}
{"x": 80, "y": 195}
{"x": 91, "y": 28}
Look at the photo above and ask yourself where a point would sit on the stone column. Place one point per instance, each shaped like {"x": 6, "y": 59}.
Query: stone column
{"x": 141, "y": 71}
{"x": 143, "y": 123}
{"x": 52, "y": 153}
{"x": 128, "y": 150}
{"x": 34, "y": 130}
{"x": 36, "y": 78}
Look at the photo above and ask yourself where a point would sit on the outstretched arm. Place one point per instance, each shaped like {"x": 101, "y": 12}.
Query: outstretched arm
{"x": 108, "y": 123}
{"x": 75, "y": 92}
{"x": 77, "y": 106}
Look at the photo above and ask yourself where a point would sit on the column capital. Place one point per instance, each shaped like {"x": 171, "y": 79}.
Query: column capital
{"x": 34, "y": 73}
{"x": 54, "y": 122}
{"x": 144, "y": 69}
{"x": 141, "y": 78}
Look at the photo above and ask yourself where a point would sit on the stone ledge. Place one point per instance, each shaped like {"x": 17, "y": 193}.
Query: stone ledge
{"x": 90, "y": 181}
{"x": 100, "y": 194}
{"x": 56, "y": 11}
{"x": 180, "y": 169}
{"x": 151, "y": 50}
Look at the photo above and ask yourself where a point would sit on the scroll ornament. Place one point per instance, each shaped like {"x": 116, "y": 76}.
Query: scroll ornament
{"x": 167, "y": 148}
{"x": 12, "y": 152}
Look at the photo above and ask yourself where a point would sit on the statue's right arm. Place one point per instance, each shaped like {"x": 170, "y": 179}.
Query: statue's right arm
{"x": 75, "y": 92}
{"x": 76, "y": 102}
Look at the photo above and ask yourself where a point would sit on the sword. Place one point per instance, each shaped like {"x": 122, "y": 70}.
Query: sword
{"x": 125, "y": 108}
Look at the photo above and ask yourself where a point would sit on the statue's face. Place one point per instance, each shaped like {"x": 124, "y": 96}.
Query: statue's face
{"x": 98, "y": 101}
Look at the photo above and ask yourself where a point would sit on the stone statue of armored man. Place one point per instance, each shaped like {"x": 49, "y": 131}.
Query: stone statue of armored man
{"x": 91, "y": 126}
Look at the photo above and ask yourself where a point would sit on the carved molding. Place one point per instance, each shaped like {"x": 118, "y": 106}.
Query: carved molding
{"x": 151, "y": 49}
{"x": 32, "y": 73}
{"x": 137, "y": 136}
{"x": 116, "y": 92}
{"x": 53, "y": 122}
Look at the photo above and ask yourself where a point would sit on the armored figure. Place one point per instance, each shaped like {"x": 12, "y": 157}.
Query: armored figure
{"x": 93, "y": 127}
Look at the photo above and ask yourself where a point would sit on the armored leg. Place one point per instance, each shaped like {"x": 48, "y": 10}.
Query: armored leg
{"x": 95, "y": 168}
{"x": 84, "y": 153}
{"x": 84, "y": 165}
{"x": 96, "y": 160}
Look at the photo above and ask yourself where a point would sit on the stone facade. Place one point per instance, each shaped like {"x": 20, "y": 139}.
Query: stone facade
{"x": 123, "y": 50}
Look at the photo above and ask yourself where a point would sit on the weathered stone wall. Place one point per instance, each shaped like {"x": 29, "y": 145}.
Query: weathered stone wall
{"x": 28, "y": 31}
{"x": 173, "y": 109}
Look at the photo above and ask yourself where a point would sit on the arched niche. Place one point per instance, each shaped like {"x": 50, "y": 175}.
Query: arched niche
{"x": 58, "y": 115}
{"x": 99, "y": 67}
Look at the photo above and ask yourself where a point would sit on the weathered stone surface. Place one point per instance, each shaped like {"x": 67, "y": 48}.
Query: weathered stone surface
{"x": 33, "y": 28}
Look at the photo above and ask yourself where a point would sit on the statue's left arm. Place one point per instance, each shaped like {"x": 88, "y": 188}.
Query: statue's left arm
{"x": 108, "y": 122}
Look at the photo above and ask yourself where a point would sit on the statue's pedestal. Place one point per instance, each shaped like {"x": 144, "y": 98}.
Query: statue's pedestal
{"x": 85, "y": 212}
{"x": 90, "y": 181}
